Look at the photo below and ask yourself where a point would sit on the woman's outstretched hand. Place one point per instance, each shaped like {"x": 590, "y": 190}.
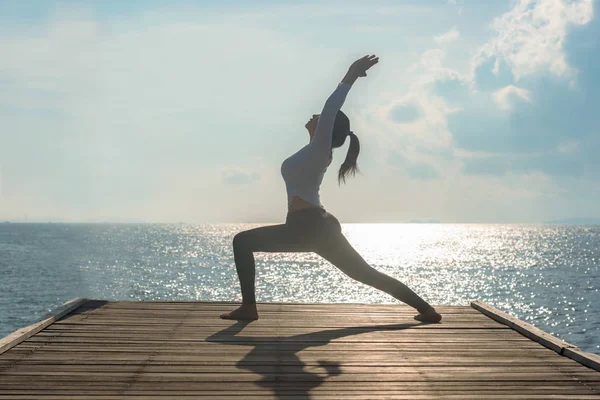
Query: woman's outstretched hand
{"x": 359, "y": 68}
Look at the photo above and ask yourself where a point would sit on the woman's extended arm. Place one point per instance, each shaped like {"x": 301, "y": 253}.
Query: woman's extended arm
{"x": 321, "y": 142}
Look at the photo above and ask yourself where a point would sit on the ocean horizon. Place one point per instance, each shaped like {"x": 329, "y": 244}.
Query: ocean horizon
{"x": 544, "y": 274}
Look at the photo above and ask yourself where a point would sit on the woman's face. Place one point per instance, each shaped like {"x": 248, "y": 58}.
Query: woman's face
{"x": 311, "y": 125}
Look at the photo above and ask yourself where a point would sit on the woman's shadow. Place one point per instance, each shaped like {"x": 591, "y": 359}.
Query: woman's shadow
{"x": 278, "y": 376}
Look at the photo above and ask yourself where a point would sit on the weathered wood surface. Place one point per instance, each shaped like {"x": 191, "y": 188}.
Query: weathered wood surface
{"x": 561, "y": 347}
{"x": 21, "y": 334}
{"x": 148, "y": 350}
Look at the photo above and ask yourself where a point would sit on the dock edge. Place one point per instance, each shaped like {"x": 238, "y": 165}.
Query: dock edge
{"x": 13, "y": 339}
{"x": 561, "y": 347}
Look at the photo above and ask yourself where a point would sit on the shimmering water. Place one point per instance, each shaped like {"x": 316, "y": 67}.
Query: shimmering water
{"x": 547, "y": 275}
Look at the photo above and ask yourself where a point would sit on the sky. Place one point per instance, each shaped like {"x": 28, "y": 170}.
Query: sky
{"x": 183, "y": 111}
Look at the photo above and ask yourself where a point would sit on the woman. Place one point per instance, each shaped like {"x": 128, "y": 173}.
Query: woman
{"x": 308, "y": 226}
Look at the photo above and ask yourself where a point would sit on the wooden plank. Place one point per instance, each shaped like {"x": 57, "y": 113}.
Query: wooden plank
{"x": 583, "y": 357}
{"x": 213, "y": 332}
{"x": 575, "y": 377}
{"x": 388, "y": 329}
{"x": 325, "y": 386}
{"x": 249, "y": 389}
{"x": 306, "y": 357}
{"x": 263, "y": 362}
{"x": 401, "y": 343}
{"x": 436, "y": 343}
{"x": 128, "y": 349}
{"x": 348, "y": 355}
{"x": 524, "y": 328}
{"x": 323, "y": 322}
{"x": 360, "y": 336}
{"x": 381, "y": 393}
{"x": 560, "y": 346}
{"x": 308, "y": 315}
{"x": 275, "y": 367}
{"x": 242, "y": 388}
{"x": 212, "y": 303}
{"x": 21, "y": 334}
{"x": 413, "y": 396}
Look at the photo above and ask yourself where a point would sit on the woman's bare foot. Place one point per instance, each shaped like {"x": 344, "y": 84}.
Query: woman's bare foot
{"x": 245, "y": 312}
{"x": 429, "y": 316}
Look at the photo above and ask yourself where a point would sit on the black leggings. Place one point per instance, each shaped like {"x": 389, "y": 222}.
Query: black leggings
{"x": 313, "y": 230}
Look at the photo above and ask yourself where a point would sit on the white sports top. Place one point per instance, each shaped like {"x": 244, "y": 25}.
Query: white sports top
{"x": 303, "y": 171}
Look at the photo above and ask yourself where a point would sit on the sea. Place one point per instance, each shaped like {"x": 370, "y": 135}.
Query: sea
{"x": 545, "y": 274}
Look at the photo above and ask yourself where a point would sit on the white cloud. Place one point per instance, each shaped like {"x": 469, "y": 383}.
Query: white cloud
{"x": 430, "y": 69}
{"x": 109, "y": 114}
{"x": 569, "y": 147}
{"x": 459, "y": 5}
{"x": 450, "y": 36}
{"x": 235, "y": 175}
{"x": 530, "y": 37}
{"x": 138, "y": 111}
{"x": 504, "y": 97}
{"x": 424, "y": 139}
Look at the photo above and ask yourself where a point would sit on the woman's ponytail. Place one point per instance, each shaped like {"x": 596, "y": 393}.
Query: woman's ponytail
{"x": 349, "y": 165}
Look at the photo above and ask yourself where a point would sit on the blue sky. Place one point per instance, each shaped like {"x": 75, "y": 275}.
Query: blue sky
{"x": 175, "y": 111}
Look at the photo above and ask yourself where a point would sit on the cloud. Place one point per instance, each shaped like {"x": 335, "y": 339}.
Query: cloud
{"x": 552, "y": 163}
{"x": 410, "y": 130}
{"x": 491, "y": 166}
{"x": 555, "y": 113}
{"x": 551, "y": 129}
{"x": 505, "y": 97}
{"x": 423, "y": 172}
{"x": 108, "y": 113}
{"x": 131, "y": 118}
{"x": 414, "y": 169}
{"x": 530, "y": 37}
{"x": 450, "y": 36}
{"x": 492, "y": 75}
{"x": 464, "y": 115}
{"x": 404, "y": 112}
{"x": 236, "y": 177}
{"x": 430, "y": 69}
{"x": 397, "y": 124}
{"x": 568, "y": 147}
{"x": 458, "y": 3}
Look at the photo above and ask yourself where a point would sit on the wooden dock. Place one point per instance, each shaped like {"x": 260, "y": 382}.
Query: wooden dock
{"x": 93, "y": 349}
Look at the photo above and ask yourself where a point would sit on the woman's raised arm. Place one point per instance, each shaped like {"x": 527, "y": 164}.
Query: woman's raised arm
{"x": 321, "y": 142}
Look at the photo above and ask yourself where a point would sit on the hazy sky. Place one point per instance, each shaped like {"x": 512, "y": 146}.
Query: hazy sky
{"x": 168, "y": 111}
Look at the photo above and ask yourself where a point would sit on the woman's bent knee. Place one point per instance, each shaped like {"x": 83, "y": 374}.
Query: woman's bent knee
{"x": 240, "y": 239}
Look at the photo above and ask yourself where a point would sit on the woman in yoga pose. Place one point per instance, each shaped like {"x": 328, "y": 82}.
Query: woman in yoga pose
{"x": 308, "y": 227}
